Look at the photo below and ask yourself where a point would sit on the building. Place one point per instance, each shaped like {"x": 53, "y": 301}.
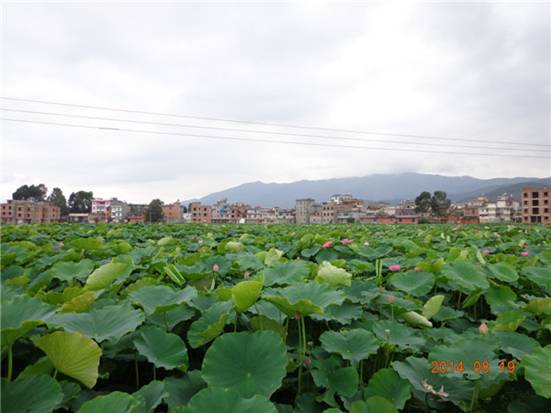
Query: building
{"x": 119, "y": 210}
{"x": 303, "y": 208}
{"x": 78, "y": 217}
{"x": 406, "y": 216}
{"x": 101, "y": 206}
{"x": 348, "y": 209}
{"x": 535, "y": 205}
{"x": 173, "y": 213}
{"x": 238, "y": 213}
{"x": 200, "y": 214}
{"x": 29, "y": 212}
{"x": 328, "y": 213}
{"x": 135, "y": 219}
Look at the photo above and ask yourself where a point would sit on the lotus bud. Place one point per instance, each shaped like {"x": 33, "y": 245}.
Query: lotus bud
{"x": 327, "y": 244}
{"x": 485, "y": 252}
{"x": 346, "y": 241}
{"x": 483, "y": 328}
{"x": 216, "y": 268}
{"x": 381, "y": 289}
{"x": 525, "y": 253}
{"x": 394, "y": 267}
{"x": 390, "y": 298}
{"x": 417, "y": 269}
{"x": 246, "y": 275}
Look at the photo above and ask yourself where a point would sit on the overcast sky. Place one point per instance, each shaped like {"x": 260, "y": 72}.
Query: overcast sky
{"x": 455, "y": 70}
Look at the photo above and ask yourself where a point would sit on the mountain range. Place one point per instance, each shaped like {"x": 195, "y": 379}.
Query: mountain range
{"x": 379, "y": 187}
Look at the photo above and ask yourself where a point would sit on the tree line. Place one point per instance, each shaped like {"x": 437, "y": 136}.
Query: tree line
{"x": 81, "y": 201}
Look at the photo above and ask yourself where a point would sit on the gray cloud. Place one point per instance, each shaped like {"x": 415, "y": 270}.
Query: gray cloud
{"x": 466, "y": 70}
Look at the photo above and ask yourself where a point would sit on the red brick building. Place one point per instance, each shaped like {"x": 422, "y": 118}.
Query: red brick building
{"x": 535, "y": 205}
{"x": 201, "y": 214}
{"x": 29, "y": 212}
{"x": 173, "y": 213}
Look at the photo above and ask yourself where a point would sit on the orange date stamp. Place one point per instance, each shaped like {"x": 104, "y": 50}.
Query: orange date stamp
{"x": 478, "y": 366}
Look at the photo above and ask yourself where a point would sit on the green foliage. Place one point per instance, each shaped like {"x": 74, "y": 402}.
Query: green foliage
{"x": 200, "y": 318}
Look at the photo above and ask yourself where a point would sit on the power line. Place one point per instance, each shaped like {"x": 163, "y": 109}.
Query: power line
{"x": 48, "y": 102}
{"x": 259, "y": 131}
{"x": 260, "y": 140}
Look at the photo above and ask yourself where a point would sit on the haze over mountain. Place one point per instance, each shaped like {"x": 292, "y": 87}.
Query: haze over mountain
{"x": 379, "y": 187}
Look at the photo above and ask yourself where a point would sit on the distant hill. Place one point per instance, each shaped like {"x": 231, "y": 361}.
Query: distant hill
{"x": 493, "y": 192}
{"x": 379, "y": 187}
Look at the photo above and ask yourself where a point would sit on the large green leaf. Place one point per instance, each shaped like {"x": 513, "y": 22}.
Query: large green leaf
{"x": 465, "y": 276}
{"x": 414, "y": 283}
{"x": 68, "y": 270}
{"x": 282, "y": 273}
{"x": 305, "y": 298}
{"x": 537, "y": 368}
{"x": 375, "y": 404}
{"x": 152, "y": 394}
{"x": 72, "y": 354}
{"x": 163, "y": 349}
{"x": 388, "y": 384}
{"x": 36, "y": 394}
{"x": 210, "y": 325}
{"x": 398, "y": 334}
{"x": 245, "y": 294}
{"x": 539, "y": 306}
{"x": 20, "y": 314}
{"x": 112, "y": 273}
{"x": 113, "y": 402}
{"x": 160, "y": 298}
{"x": 107, "y": 323}
{"x": 334, "y": 276}
{"x": 179, "y": 391}
{"x": 432, "y": 306}
{"x": 228, "y": 401}
{"x": 516, "y": 344}
{"x": 250, "y": 363}
{"x": 508, "y": 320}
{"x": 503, "y": 272}
{"x": 354, "y": 345}
{"x": 540, "y": 276}
{"x": 501, "y": 298}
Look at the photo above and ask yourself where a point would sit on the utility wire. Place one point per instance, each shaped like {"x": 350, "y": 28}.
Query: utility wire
{"x": 260, "y": 140}
{"x": 48, "y": 102}
{"x": 260, "y": 131}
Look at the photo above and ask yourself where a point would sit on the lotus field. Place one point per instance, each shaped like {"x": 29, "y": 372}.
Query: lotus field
{"x": 254, "y": 319}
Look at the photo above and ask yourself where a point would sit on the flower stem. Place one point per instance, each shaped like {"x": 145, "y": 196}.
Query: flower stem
{"x": 154, "y": 373}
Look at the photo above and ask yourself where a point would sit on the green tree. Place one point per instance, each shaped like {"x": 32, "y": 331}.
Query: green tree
{"x": 81, "y": 201}
{"x": 423, "y": 202}
{"x": 440, "y": 203}
{"x": 32, "y": 192}
{"x": 154, "y": 211}
{"x": 58, "y": 199}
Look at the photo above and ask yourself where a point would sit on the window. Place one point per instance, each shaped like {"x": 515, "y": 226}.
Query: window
{"x": 525, "y": 195}
{"x": 535, "y": 194}
{"x": 535, "y": 211}
{"x": 535, "y": 202}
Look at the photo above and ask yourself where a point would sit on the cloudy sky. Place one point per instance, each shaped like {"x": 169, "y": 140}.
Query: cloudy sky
{"x": 472, "y": 71}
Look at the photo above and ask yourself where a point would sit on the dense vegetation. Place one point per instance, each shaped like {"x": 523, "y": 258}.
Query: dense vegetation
{"x": 197, "y": 319}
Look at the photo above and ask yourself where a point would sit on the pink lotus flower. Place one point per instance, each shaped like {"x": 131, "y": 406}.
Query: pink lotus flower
{"x": 216, "y": 268}
{"x": 485, "y": 252}
{"x": 483, "y": 328}
{"x": 327, "y": 244}
{"x": 346, "y": 241}
{"x": 394, "y": 267}
{"x": 390, "y": 298}
{"x": 246, "y": 275}
{"x": 525, "y": 253}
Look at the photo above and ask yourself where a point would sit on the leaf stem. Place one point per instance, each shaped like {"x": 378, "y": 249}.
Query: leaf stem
{"x": 55, "y": 374}
{"x": 136, "y": 372}
{"x": 10, "y": 362}
{"x": 154, "y": 373}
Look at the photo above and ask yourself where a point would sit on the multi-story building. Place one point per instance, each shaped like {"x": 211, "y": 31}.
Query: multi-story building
{"x": 348, "y": 209}
{"x": 172, "y": 213}
{"x": 303, "y": 209}
{"x": 221, "y": 212}
{"x": 328, "y": 213}
{"x": 119, "y": 210}
{"x": 201, "y": 214}
{"x": 101, "y": 206}
{"x": 29, "y": 212}
{"x": 238, "y": 213}
{"x": 535, "y": 205}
